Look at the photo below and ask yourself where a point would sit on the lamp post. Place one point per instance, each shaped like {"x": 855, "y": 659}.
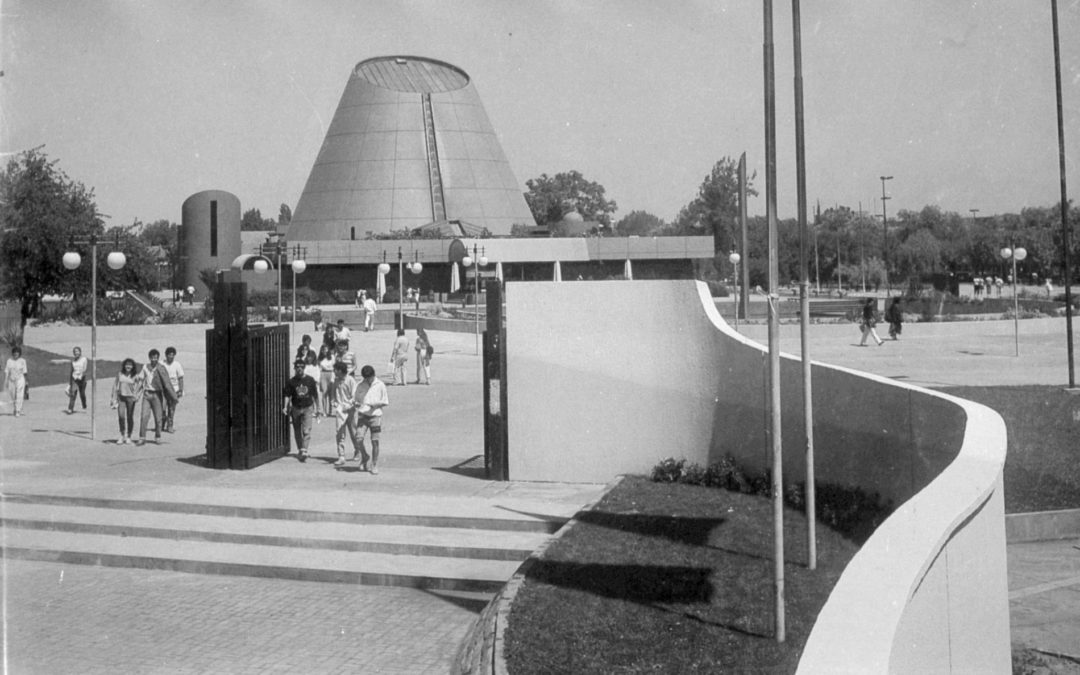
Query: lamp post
{"x": 298, "y": 266}
{"x": 415, "y": 267}
{"x": 885, "y": 232}
{"x": 1015, "y": 254}
{"x": 735, "y": 258}
{"x": 116, "y": 261}
{"x": 275, "y": 248}
{"x": 480, "y": 261}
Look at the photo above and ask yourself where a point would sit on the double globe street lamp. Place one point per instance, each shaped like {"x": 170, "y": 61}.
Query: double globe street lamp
{"x": 1015, "y": 254}
{"x": 116, "y": 261}
{"x": 735, "y": 258}
{"x": 467, "y": 262}
{"x": 415, "y": 267}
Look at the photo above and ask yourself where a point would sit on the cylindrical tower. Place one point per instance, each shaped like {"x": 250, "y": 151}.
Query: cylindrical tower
{"x": 209, "y": 236}
{"x": 410, "y": 144}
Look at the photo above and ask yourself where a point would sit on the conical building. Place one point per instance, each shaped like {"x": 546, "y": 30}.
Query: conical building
{"x": 410, "y": 145}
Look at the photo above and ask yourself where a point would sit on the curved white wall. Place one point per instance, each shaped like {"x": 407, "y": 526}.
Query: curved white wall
{"x": 609, "y": 377}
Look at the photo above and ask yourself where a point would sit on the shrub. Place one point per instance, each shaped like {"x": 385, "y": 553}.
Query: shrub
{"x": 668, "y": 470}
{"x": 851, "y": 511}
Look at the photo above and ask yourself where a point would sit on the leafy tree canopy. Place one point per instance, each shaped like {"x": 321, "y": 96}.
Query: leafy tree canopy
{"x": 41, "y": 210}
{"x": 252, "y": 220}
{"x": 551, "y": 197}
{"x": 715, "y": 210}
{"x": 640, "y": 223}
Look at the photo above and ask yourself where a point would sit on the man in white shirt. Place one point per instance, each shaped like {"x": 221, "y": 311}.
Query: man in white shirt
{"x": 77, "y": 380}
{"x": 176, "y": 378}
{"x": 369, "y": 313}
{"x": 342, "y": 332}
{"x": 370, "y": 398}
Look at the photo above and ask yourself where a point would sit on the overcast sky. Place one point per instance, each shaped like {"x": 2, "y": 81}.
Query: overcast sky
{"x": 151, "y": 101}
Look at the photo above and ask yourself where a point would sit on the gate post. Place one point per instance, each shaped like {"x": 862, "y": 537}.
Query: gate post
{"x": 226, "y": 357}
{"x": 495, "y": 430}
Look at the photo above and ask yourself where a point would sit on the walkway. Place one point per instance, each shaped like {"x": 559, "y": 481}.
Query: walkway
{"x": 66, "y": 618}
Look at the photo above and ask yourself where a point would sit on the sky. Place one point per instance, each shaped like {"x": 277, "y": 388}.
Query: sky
{"x": 150, "y": 101}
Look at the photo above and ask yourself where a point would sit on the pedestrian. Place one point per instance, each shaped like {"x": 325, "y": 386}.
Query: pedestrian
{"x": 326, "y": 376}
{"x": 342, "y": 332}
{"x": 299, "y": 405}
{"x": 328, "y": 335}
{"x": 342, "y": 406}
{"x": 400, "y": 356}
{"x": 894, "y": 314}
{"x": 369, "y": 313}
{"x": 869, "y": 320}
{"x": 345, "y": 356}
{"x": 1049, "y": 288}
{"x": 16, "y": 381}
{"x": 156, "y": 389}
{"x": 176, "y": 378}
{"x": 77, "y": 380}
{"x": 304, "y": 348}
{"x": 424, "y": 350}
{"x": 370, "y": 398}
{"x": 125, "y": 393}
{"x": 311, "y": 369}
{"x": 360, "y": 293}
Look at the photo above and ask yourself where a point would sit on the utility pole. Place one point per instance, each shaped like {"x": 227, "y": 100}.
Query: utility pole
{"x": 885, "y": 233}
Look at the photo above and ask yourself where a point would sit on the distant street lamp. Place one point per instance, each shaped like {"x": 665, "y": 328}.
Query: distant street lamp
{"x": 735, "y": 258}
{"x": 116, "y": 261}
{"x": 1015, "y": 254}
{"x": 480, "y": 261}
{"x": 298, "y": 266}
{"x": 415, "y": 267}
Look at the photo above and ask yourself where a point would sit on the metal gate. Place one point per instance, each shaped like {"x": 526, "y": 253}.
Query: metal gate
{"x": 496, "y": 457}
{"x": 246, "y": 371}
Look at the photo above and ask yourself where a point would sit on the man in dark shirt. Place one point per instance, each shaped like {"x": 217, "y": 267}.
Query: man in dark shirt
{"x": 300, "y": 393}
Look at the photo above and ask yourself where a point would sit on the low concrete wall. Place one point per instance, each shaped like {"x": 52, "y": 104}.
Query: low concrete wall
{"x": 625, "y": 374}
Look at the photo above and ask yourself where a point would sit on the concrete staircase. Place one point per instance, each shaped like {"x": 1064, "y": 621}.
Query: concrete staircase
{"x": 429, "y": 551}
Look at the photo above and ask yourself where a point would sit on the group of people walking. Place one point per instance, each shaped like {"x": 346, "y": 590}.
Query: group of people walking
{"x": 158, "y": 386}
{"x": 894, "y": 315}
{"x": 155, "y": 387}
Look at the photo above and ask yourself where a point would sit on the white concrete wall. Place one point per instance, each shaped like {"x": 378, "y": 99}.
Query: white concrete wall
{"x": 610, "y": 377}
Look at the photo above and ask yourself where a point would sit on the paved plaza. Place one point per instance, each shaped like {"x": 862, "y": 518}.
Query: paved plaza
{"x": 69, "y": 618}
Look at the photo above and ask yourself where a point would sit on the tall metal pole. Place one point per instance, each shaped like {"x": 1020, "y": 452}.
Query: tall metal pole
{"x": 1064, "y": 202}
{"x": 400, "y": 292}
{"x": 1016, "y": 305}
{"x": 93, "y": 337}
{"x": 885, "y": 234}
{"x": 744, "y": 249}
{"x": 804, "y": 294}
{"x": 278, "y": 249}
{"x": 774, "y": 328}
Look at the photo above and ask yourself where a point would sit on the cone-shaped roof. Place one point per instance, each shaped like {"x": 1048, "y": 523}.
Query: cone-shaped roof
{"x": 409, "y": 144}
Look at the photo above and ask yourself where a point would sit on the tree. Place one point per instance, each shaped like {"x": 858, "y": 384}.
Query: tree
{"x": 252, "y": 220}
{"x": 549, "y": 198}
{"x": 715, "y": 210}
{"x": 919, "y": 254}
{"x": 41, "y": 210}
{"x": 639, "y": 223}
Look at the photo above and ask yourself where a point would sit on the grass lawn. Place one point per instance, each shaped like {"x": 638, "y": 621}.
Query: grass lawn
{"x": 1042, "y": 469}
{"x": 670, "y": 578}
{"x": 664, "y": 577}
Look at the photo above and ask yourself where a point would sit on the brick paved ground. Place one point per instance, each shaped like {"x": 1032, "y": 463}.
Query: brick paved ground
{"x": 78, "y": 619}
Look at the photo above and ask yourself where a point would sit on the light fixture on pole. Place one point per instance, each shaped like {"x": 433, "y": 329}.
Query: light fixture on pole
{"x": 735, "y": 258}
{"x": 116, "y": 261}
{"x": 481, "y": 261}
{"x": 885, "y": 232}
{"x": 1015, "y": 254}
{"x": 298, "y": 266}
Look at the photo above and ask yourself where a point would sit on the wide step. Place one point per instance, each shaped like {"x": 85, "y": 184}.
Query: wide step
{"x": 437, "y": 552}
{"x": 375, "y": 569}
